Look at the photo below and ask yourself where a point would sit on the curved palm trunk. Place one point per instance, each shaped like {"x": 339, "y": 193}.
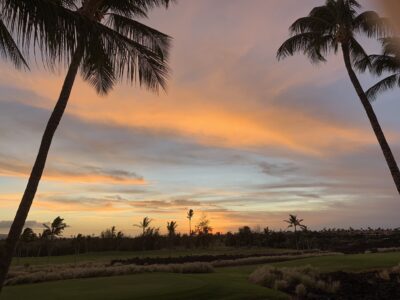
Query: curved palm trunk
{"x": 387, "y": 152}
{"x": 38, "y": 167}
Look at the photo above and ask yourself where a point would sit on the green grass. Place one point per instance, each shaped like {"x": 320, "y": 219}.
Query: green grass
{"x": 356, "y": 262}
{"x": 110, "y": 255}
{"x": 220, "y": 285}
{"x": 227, "y": 283}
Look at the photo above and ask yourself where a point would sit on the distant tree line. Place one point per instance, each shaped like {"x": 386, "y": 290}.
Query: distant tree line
{"x": 51, "y": 243}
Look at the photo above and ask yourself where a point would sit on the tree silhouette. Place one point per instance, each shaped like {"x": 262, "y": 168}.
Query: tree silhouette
{"x": 203, "y": 226}
{"x": 190, "y": 215}
{"x": 144, "y": 225}
{"x": 387, "y": 62}
{"x": 294, "y": 222}
{"x": 111, "y": 233}
{"x": 104, "y": 42}
{"x": 330, "y": 27}
{"x": 55, "y": 229}
{"x": 28, "y": 235}
{"x": 171, "y": 227}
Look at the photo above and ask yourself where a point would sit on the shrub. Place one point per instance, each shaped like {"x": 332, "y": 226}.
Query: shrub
{"x": 298, "y": 281}
{"x": 301, "y": 290}
{"x": 51, "y": 273}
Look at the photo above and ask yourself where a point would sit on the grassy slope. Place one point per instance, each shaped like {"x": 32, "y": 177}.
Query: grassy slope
{"x": 226, "y": 283}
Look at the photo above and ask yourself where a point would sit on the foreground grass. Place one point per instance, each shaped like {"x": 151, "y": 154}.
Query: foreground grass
{"x": 110, "y": 255}
{"x": 220, "y": 285}
{"x": 229, "y": 283}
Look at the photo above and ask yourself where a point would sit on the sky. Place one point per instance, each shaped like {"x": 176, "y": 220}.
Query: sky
{"x": 237, "y": 136}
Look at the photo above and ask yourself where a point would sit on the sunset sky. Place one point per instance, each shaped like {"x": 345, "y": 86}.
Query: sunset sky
{"x": 238, "y": 135}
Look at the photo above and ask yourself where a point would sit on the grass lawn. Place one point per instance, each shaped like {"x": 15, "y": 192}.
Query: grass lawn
{"x": 110, "y": 255}
{"x": 226, "y": 283}
{"x": 219, "y": 285}
{"x": 356, "y": 262}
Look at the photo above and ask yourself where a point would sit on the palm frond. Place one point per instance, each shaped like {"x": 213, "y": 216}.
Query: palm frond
{"x": 97, "y": 68}
{"x": 391, "y": 46}
{"x": 385, "y": 84}
{"x": 9, "y": 49}
{"x": 357, "y": 51}
{"x": 365, "y": 63}
{"x": 372, "y": 24}
{"x": 310, "y": 24}
{"x": 145, "y": 35}
{"x": 303, "y": 43}
{"x": 129, "y": 9}
{"x": 43, "y": 25}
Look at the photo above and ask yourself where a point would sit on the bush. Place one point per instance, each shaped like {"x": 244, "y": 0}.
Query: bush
{"x": 303, "y": 282}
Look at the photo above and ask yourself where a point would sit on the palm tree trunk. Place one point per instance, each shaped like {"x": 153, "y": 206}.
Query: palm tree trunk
{"x": 387, "y": 152}
{"x": 38, "y": 167}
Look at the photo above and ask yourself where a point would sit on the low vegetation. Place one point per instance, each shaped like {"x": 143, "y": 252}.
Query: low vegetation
{"x": 24, "y": 275}
{"x": 304, "y": 282}
{"x": 266, "y": 259}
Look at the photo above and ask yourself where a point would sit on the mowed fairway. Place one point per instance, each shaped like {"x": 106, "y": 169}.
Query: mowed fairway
{"x": 219, "y": 285}
{"x": 226, "y": 283}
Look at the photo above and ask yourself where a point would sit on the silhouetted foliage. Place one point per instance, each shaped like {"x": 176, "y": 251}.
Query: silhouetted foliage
{"x": 335, "y": 26}
{"x": 101, "y": 39}
{"x": 190, "y": 215}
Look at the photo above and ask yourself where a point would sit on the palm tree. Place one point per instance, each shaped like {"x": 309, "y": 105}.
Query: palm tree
{"x": 56, "y": 228}
{"x": 171, "y": 227}
{"x": 388, "y": 61}
{"x": 144, "y": 225}
{"x": 334, "y": 25}
{"x": 294, "y": 222}
{"x": 109, "y": 233}
{"x": 190, "y": 215}
{"x": 104, "y": 42}
{"x": 28, "y": 235}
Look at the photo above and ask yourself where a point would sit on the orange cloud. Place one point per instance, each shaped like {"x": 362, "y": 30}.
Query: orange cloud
{"x": 242, "y": 123}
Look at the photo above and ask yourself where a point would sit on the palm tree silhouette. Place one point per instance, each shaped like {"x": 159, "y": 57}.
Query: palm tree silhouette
{"x": 294, "y": 222}
{"x": 171, "y": 227}
{"x": 334, "y": 25}
{"x": 107, "y": 44}
{"x": 56, "y": 228}
{"x": 388, "y": 61}
{"x": 190, "y": 215}
{"x": 144, "y": 224}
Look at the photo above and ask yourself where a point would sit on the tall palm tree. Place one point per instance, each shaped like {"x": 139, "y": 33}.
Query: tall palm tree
{"x": 104, "y": 42}
{"x": 190, "y": 215}
{"x": 144, "y": 224}
{"x": 294, "y": 222}
{"x": 387, "y": 62}
{"x": 330, "y": 27}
